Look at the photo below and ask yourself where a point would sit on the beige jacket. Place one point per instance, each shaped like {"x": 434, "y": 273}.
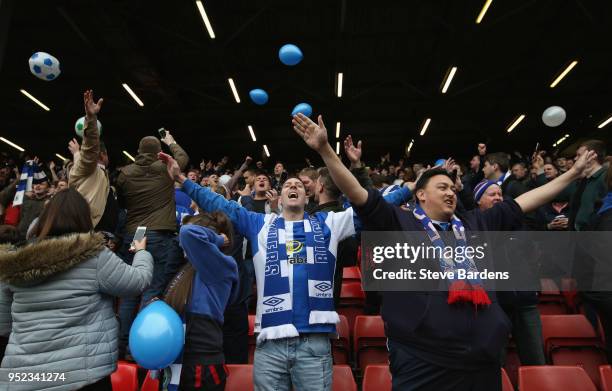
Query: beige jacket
{"x": 86, "y": 176}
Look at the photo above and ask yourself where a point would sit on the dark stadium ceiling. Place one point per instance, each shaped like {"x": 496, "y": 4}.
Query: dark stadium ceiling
{"x": 394, "y": 56}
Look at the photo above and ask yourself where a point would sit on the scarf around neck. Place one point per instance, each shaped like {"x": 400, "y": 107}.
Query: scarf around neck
{"x": 460, "y": 290}
{"x": 277, "y": 304}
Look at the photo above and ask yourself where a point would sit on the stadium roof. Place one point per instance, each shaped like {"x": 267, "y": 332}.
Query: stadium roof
{"x": 393, "y": 55}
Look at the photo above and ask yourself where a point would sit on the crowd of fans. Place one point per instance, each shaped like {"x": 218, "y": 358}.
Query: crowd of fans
{"x": 211, "y": 232}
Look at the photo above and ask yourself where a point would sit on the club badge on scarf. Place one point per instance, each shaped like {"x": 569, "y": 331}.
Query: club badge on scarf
{"x": 277, "y": 306}
{"x": 467, "y": 290}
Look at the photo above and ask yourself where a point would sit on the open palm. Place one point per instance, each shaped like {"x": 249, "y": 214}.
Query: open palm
{"x": 92, "y": 108}
{"x": 352, "y": 152}
{"x": 315, "y": 135}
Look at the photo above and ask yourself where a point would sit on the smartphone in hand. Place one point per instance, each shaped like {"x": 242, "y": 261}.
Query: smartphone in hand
{"x": 139, "y": 235}
{"x": 162, "y": 132}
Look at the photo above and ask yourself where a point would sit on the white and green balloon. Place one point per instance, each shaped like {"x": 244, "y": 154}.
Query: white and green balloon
{"x": 80, "y": 125}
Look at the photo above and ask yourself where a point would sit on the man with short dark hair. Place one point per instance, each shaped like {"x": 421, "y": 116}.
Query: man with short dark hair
{"x": 495, "y": 168}
{"x": 147, "y": 194}
{"x": 519, "y": 171}
{"x": 279, "y": 177}
{"x": 438, "y": 340}
{"x": 294, "y": 259}
{"x": 193, "y": 175}
{"x": 550, "y": 171}
{"x": 589, "y": 189}
{"x": 308, "y": 176}
{"x": 264, "y": 199}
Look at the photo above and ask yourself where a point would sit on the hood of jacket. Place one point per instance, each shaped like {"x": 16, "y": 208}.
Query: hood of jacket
{"x": 145, "y": 159}
{"x": 35, "y": 262}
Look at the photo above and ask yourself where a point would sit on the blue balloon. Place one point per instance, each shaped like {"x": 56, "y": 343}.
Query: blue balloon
{"x": 303, "y": 108}
{"x": 259, "y": 96}
{"x": 290, "y": 54}
{"x": 157, "y": 336}
{"x": 440, "y": 162}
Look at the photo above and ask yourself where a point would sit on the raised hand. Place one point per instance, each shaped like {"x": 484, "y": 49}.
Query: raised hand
{"x": 315, "y": 135}
{"x": 73, "y": 146}
{"x": 246, "y": 191}
{"x": 537, "y": 161}
{"x": 352, "y": 152}
{"x": 174, "y": 171}
{"x": 91, "y": 108}
{"x": 584, "y": 162}
{"x": 449, "y": 165}
{"x": 272, "y": 196}
{"x": 248, "y": 160}
{"x": 168, "y": 139}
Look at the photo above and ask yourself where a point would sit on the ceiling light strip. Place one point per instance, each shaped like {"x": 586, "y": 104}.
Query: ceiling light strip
{"x": 516, "y": 122}
{"x": 133, "y": 94}
{"x": 563, "y": 74}
{"x": 33, "y": 99}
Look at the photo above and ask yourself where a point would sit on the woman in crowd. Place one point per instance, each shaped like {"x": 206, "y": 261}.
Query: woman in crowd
{"x": 56, "y": 298}
{"x": 200, "y": 292}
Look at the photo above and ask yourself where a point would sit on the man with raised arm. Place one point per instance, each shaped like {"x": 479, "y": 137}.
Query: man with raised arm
{"x": 294, "y": 255}
{"x": 438, "y": 340}
{"x": 88, "y": 173}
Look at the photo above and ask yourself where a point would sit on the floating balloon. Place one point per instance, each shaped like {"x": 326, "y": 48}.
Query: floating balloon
{"x": 290, "y": 54}
{"x": 44, "y": 66}
{"x": 79, "y": 126}
{"x": 259, "y": 96}
{"x": 157, "y": 336}
{"x": 303, "y": 108}
{"x": 553, "y": 116}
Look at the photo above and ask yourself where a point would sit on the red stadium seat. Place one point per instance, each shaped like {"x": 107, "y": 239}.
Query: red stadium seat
{"x": 149, "y": 384}
{"x": 569, "y": 291}
{"x": 240, "y": 377}
{"x": 370, "y": 341}
{"x": 554, "y": 378}
{"x": 571, "y": 340}
{"x": 351, "y": 273}
{"x": 512, "y": 363}
{"x": 251, "y": 338}
{"x": 125, "y": 378}
{"x": 352, "y": 299}
{"x": 377, "y": 378}
{"x": 551, "y": 301}
{"x": 343, "y": 379}
{"x": 506, "y": 383}
{"x": 352, "y": 293}
{"x": 552, "y": 308}
{"x": 341, "y": 347}
{"x": 605, "y": 373}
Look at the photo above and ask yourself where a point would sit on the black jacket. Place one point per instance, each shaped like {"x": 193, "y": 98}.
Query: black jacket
{"x": 452, "y": 336}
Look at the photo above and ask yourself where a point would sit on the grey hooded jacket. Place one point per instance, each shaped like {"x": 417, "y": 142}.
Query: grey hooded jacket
{"x": 56, "y": 306}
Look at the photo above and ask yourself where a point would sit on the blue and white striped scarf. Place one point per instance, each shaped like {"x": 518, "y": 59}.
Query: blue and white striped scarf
{"x": 30, "y": 173}
{"x": 468, "y": 290}
{"x": 277, "y": 312}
